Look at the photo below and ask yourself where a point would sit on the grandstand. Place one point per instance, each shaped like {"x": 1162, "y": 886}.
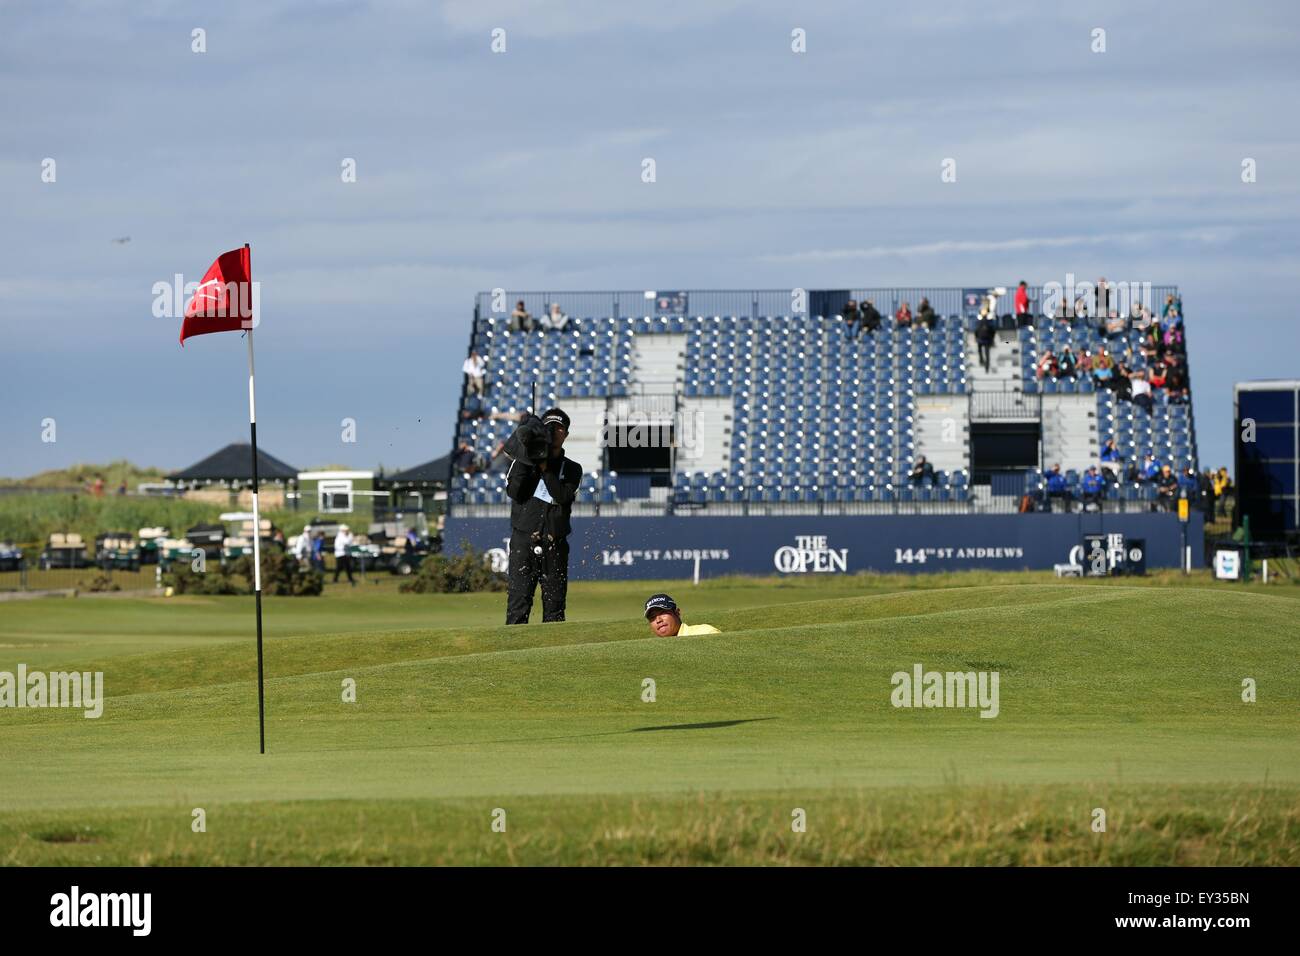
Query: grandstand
{"x": 764, "y": 412}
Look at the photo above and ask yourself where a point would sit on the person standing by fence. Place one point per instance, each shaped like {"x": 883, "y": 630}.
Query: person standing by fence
{"x": 342, "y": 557}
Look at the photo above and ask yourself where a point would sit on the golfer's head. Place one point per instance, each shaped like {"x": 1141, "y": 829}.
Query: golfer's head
{"x": 557, "y": 421}
{"x": 663, "y": 614}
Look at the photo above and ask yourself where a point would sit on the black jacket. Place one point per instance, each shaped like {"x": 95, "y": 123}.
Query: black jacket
{"x": 529, "y": 514}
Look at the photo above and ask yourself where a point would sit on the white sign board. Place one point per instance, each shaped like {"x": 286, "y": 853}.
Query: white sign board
{"x": 1227, "y": 565}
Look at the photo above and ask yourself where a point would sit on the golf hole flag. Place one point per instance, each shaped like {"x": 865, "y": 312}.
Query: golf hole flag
{"x": 223, "y": 302}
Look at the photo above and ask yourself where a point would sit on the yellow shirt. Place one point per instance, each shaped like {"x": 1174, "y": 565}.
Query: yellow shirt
{"x": 695, "y": 630}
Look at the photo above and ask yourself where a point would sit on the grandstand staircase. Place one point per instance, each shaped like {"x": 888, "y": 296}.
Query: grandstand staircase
{"x": 1070, "y": 434}
{"x": 658, "y": 364}
{"x": 941, "y": 430}
{"x": 1004, "y": 373}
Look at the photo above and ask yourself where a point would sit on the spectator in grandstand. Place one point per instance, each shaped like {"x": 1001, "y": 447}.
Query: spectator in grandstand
{"x": 1105, "y": 302}
{"x": 1115, "y": 325}
{"x": 665, "y": 619}
{"x": 1189, "y": 483}
{"x": 1122, "y": 382}
{"x": 1156, "y": 375}
{"x": 520, "y": 320}
{"x": 904, "y": 315}
{"x": 474, "y": 368}
{"x": 1176, "y": 381}
{"x": 1103, "y": 368}
{"x": 1167, "y": 487}
{"x": 1047, "y": 366}
{"x": 926, "y": 315}
{"x": 921, "y": 471}
{"x": 985, "y": 335}
{"x": 466, "y": 460}
{"x": 1058, "y": 487}
{"x": 851, "y": 317}
{"x": 1094, "y": 487}
{"x": 1151, "y": 344}
{"x": 1022, "y": 301}
{"x": 1083, "y": 364}
{"x": 555, "y": 320}
{"x": 871, "y": 317}
{"x": 1140, "y": 392}
{"x": 1063, "y": 313}
{"x": 1150, "y": 469}
{"x": 1066, "y": 364}
{"x": 1173, "y": 307}
{"x": 1110, "y": 455}
{"x": 1081, "y": 308}
{"x": 1174, "y": 339}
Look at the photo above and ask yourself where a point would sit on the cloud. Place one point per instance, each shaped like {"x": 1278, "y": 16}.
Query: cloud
{"x": 947, "y": 247}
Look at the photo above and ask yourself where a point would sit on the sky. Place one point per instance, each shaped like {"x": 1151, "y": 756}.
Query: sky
{"x": 522, "y": 169}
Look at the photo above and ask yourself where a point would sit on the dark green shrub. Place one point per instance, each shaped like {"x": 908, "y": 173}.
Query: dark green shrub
{"x": 468, "y": 571}
{"x": 280, "y": 576}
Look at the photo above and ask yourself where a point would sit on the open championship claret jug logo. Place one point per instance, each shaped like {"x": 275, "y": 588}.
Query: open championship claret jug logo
{"x": 810, "y": 552}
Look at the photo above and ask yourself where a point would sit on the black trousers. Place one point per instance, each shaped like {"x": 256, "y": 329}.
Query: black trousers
{"x": 527, "y": 568}
{"x": 343, "y": 563}
{"x": 985, "y": 353}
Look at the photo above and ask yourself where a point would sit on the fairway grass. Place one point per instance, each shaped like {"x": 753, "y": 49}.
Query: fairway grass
{"x": 1126, "y": 699}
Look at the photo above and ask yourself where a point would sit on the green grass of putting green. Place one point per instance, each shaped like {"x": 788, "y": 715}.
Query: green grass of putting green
{"x": 1122, "y": 697}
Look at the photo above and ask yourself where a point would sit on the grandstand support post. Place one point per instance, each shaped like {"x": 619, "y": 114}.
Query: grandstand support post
{"x": 1245, "y": 555}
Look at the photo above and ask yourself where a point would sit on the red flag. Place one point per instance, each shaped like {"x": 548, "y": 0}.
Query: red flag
{"x": 223, "y": 302}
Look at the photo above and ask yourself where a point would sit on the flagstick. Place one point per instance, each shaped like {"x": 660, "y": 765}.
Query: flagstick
{"x": 257, "y": 549}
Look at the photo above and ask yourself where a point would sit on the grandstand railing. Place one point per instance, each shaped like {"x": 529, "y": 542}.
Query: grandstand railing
{"x": 999, "y": 505}
{"x": 989, "y": 405}
{"x": 946, "y": 300}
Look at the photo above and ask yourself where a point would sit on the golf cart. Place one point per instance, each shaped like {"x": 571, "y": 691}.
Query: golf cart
{"x": 11, "y": 557}
{"x": 64, "y": 550}
{"x": 400, "y": 551}
{"x": 206, "y": 537}
{"x": 239, "y": 543}
{"x": 150, "y": 539}
{"x": 175, "y": 549}
{"x": 117, "y": 550}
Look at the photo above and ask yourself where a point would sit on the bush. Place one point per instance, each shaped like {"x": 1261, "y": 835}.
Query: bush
{"x": 468, "y": 571}
{"x": 280, "y": 576}
{"x": 103, "y": 581}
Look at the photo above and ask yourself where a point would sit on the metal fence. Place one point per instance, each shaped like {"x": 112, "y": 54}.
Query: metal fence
{"x": 996, "y": 505}
{"x": 89, "y": 577}
{"x": 946, "y": 300}
{"x": 1005, "y": 405}
{"x": 640, "y": 302}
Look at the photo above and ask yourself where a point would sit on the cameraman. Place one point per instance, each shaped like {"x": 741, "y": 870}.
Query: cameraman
{"x": 542, "y": 484}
